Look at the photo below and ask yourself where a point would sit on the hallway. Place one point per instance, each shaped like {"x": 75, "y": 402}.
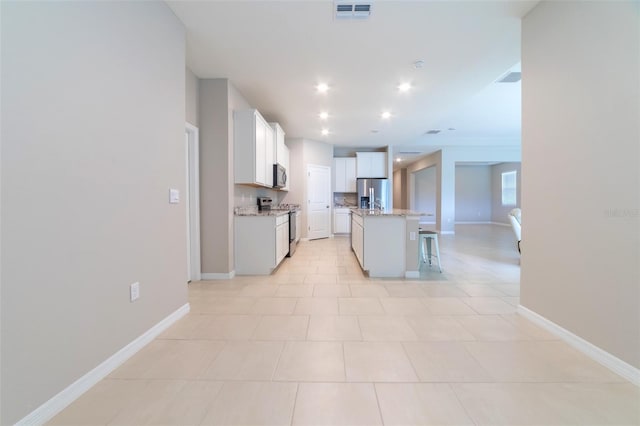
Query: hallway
{"x": 318, "y": 343}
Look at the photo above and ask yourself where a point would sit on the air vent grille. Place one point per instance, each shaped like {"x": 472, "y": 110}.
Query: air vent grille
{"x": 433, "y": 132}
{"x": 409, "y": 152}
{"x": 351, "y": 10}
{"x": 512, "y": 77}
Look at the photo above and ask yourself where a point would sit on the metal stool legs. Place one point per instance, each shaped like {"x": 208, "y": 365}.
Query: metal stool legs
{"x": 426, "y": 248}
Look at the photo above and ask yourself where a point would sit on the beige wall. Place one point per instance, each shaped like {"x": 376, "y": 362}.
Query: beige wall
{"x": 430, "y": 161}
{"x": 192, "y": 86}
{"x": 218, "y": 98}
{"x": 215, "y": 150}
{"x": 297, "y": 181}
{"x": 499, "y": 213}
{"x": 400, "y": 189}
{"x": 93, "y": 113}
{"x": 580, "y": 153}
{"x": 425, "y": 193}
{"x": 473, "y": 193}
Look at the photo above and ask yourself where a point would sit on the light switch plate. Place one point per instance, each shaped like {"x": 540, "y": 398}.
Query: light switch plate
{"x": 134, "y": 291}
{"x": 174, "y": 196}
{"x": 412, "y": 236}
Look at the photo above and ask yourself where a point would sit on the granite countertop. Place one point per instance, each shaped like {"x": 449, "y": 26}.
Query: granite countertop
{"x": 263, "y": 213}
{"x": 394, "y": 212}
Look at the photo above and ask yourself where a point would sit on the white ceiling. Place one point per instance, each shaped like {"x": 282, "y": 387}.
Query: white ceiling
{"x": 276, "y": 52}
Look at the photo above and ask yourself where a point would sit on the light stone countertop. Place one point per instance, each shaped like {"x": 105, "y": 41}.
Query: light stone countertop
{"x": 264, "y": 213}
{"x": 394, "y": 212}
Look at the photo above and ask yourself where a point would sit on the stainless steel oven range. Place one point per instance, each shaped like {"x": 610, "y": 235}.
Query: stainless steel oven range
{"x": 292, "y": 232}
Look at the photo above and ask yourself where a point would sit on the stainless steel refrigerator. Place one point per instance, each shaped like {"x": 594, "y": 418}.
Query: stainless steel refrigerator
{"x": 373, "y": 193}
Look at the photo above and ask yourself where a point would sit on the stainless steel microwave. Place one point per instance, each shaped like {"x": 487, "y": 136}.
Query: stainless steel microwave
{"x": 279, "y": 176}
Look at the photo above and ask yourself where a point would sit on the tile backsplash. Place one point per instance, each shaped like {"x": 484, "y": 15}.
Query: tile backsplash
{"x": 345, "y": 199}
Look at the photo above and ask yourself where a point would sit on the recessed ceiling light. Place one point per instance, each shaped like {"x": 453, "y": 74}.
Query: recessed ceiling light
{"x": 322, "y": 88}
{"x": 323, "y": 115}
{"x": 325, "y": 132}
{"x": 398, "y": 159}
{"x": 418, "y": 64}
{"x": 386, "y": 115}
{"x": 404, "y": 87}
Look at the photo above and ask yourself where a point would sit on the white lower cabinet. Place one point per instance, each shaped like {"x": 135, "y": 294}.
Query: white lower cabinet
{"x": 282, "y": 237}
{"x": 261, "y": 243}
{"x": 341, "y": 221}
{"x": 357, "y": 238}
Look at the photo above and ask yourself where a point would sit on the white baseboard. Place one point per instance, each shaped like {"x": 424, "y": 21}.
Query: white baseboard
{"x": 601, "y": 356}
{"x": 501, "y": 224}
{"x": 72, "y": 392}
{"x": 218, "y": 276}
{"x": 412, "y": 274}
{"x": 474, "y": 223}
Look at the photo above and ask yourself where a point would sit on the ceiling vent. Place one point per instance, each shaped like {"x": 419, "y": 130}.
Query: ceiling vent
{"x": 409, "y": 152}
{"x": 432, "y": 132}
{"x": 351, "y": 10}
{"x": 512, "y": 77}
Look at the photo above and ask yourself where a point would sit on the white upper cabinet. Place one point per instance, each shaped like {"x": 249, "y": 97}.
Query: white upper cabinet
{"x": 371, "y": 164}
{"x": 279, "y": 143}
{"x": 344, "y": 171}
{"x": 253, "y": 149}
{"x": 285, "y": 163}
{"x": 269, "y": 155}
{"x": 281, "y": 151}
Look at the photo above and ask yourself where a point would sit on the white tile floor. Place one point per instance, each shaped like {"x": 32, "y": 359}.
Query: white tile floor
{"x": 318, "y": 343}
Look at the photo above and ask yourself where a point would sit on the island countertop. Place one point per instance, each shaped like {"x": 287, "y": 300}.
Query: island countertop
{"x": 393, "y": 212}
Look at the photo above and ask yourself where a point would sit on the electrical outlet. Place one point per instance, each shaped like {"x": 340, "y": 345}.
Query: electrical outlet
{"x": 134, "y": 291}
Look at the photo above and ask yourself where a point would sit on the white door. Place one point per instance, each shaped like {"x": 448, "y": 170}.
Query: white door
{"x": 318, "y": 202}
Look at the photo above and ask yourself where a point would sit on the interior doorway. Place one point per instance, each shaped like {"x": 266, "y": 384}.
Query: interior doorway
{"x": 318, "y": 202}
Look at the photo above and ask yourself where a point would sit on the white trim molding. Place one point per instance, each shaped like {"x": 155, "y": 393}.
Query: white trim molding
{"x": 194, "y": 199}
{"x": 72, "y": 392}
{"x": 218, "y": 275}
{"x": 474, "y": 223}
{"x": 412, "y": 274}
{"x": 599, "y": 355}
{"x": 500, "y": 224}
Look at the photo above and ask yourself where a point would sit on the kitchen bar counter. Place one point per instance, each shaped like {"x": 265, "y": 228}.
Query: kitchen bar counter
{"x": 262, "y": 213}
{"x": 386, "y": 243}
{"x": 276, "y": 210}
{"x": 393, "y": 212}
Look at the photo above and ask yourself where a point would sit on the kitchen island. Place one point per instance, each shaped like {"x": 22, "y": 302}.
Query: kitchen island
{"x": 385, "y": 242}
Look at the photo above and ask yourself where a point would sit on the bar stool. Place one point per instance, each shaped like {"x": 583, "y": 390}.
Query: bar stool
{"x": 425, "y": 240}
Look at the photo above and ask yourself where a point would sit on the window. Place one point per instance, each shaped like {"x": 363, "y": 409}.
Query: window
{"x": 509, "y": 188}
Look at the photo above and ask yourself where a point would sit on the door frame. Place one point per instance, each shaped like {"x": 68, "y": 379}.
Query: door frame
{"x": 193, "y": 200}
